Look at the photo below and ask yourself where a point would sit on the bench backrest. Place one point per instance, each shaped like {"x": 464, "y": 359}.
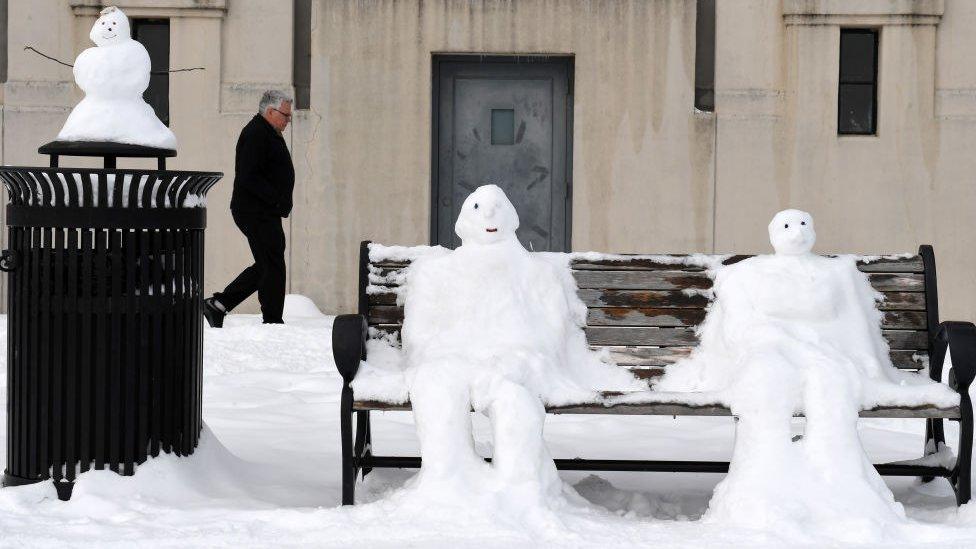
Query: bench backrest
{"x": 643, "y": 309}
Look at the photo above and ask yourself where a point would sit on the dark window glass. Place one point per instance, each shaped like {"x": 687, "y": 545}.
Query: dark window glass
{"x": 154, "y": 35}
{"x": 705, "y": 56}
{"x": 857, "y": 94}
{"x": 3, "y": 40}
{"x": 502, "y": 127}
{"x": 302, "y": 53}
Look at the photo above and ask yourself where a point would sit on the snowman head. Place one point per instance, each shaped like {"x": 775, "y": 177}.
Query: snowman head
{"x": 111, "y": 28}
{"x": 791, "y": 232}
{"x": 487, "y": 217}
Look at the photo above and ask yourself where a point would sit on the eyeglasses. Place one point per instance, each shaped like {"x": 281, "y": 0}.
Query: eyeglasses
{"x": 285, "y": 114}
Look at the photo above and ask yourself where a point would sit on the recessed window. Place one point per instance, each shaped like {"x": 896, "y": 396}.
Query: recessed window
{"x": 502, "y": 126}
{"x": 302, "y": 53}
{"x": 857, "y": 95}
{"x": 705, "y": 55}
{"x": 154, "y": 35}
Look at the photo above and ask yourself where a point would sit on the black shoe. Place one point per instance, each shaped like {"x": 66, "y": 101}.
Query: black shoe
{"x": 213, "y": 314}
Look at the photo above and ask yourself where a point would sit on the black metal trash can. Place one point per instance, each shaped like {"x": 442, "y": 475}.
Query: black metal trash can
{"x": 104, "y": 333}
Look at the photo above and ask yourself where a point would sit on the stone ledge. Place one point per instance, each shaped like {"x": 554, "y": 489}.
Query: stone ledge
{"x": 863, "y": 12}
{"x": 154, "y": 8}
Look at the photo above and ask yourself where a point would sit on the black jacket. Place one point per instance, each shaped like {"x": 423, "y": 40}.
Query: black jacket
{"x": 264, "y": 176}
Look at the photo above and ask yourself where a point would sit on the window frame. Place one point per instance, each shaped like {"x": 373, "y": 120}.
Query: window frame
{"x": 875, "y": 32}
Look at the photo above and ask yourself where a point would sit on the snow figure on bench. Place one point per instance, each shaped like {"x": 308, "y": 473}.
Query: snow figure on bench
{"x": 788, "y": 333}
{"x": 113, "y": 75}
{"x": 494, "y": 328}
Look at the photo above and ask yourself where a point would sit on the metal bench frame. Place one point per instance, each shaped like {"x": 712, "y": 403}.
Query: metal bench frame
{"x": 350, "y": 333}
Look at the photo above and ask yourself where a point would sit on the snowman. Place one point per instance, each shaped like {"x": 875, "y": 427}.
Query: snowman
{"x": 493, "y": 328}
{"x": 795, "y": 332}
{"x": 114, "y": 75}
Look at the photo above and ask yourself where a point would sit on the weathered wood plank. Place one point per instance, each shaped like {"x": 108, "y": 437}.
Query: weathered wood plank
{"x": 597, "y": 297}
{"x": 661, "y": 357}
{"x": 903, "y": 301}
{"x": 642, "y": 280}
{"x": 382, "y": 298}
{"x": 680, "y": 280}
{"x": 629, "y": 316}
{"x": 385, "y": 314}
{"x": 634, "y": 316}
{"x": 636, "y": 356}
{"x": 904, "y": 320}
{"x": 679, "y": 409}
{"x": 904, "y": 282}
{"x": 911, "y": 264}
{"x": 630, "y": 336}
{"x": 906, "y": 339}
{"x": 672, "y": 262}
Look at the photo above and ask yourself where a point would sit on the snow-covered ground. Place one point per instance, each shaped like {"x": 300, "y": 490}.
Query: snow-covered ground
{"x": 267, "y": 471}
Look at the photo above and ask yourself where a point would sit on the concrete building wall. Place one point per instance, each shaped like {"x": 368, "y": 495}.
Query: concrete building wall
{"x": 651, "y": 174}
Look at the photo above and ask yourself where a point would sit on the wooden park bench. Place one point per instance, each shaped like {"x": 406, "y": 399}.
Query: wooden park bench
{"x": 640, "y": 309}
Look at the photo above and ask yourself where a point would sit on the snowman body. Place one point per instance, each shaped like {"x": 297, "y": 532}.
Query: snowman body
{"x": 114, "y": 74}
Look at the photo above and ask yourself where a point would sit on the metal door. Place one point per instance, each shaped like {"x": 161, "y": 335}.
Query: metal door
{"x": 505, "y": 121}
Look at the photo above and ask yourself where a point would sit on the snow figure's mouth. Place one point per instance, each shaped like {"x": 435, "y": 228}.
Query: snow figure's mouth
{"x": 492, "y": 230}
{"x": 109, "y": 36}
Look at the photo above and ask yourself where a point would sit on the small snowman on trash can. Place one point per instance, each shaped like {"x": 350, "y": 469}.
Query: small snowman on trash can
{"x": 114, "y": 74}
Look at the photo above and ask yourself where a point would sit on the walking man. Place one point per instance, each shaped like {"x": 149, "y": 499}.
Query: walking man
{"x": 264, "y": 179}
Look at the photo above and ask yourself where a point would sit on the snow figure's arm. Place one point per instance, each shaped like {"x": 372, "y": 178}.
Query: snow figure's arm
{"x": 138, "y": 66}
{"x": 421, "y": 311}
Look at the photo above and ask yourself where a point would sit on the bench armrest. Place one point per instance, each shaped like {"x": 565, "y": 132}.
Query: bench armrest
{"x": 349, "y": 344}
{"x": 960, "y": 339}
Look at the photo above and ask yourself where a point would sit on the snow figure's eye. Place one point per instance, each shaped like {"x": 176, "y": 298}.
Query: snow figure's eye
{"x": 103, "y": 23}
{"x": 803, "y": 223}
{"x": 787, "y": 226}
{"x": 476, "y": 205}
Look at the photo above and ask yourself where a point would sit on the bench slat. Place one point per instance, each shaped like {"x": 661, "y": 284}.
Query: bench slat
{"x": 635, "y": 336}
{"x": 911, "y": 264}
{"x": 597, "y": 297}
{"x": 630, "y": 316}
{"x": 677, "y": 409}
{"x": 680, "y": 280}
{"x": 636, "y": 357}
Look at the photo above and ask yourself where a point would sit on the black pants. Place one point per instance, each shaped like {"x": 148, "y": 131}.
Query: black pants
{"x": 267, "y": 276}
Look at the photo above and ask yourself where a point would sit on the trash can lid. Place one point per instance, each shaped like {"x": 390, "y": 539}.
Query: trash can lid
{"x": 103, "y": 148}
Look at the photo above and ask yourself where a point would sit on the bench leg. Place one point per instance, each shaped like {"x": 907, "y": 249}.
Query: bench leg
{"x": 364, "y": 440}
{"x": 349, "y": 469}
{"x": 934, "y": 439}
{"x": 962, "y": 476}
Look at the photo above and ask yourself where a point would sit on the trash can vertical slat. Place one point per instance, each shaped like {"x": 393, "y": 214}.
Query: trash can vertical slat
{"x": 115, "y": 338}
{"x": 131, "y": 341}
{"x": 101, "y": 340}
{"x": 158, "y": 344}
{"x": 144, "y": 364}
{"x": 73, "y": 321}
{"x": 86, "y": 379}
{"x": 44, "y": 348}
{"x": 57, "y": 346}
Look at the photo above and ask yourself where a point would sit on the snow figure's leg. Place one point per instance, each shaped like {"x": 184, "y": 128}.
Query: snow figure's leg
{"x": 832, "y": 399}
{"x": 440, "y": 397}
{"x": 765, "y": 482}
{"x": 517, "y": 420}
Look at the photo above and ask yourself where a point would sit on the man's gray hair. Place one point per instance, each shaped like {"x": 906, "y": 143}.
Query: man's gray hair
{"x": 273, "y": 99}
